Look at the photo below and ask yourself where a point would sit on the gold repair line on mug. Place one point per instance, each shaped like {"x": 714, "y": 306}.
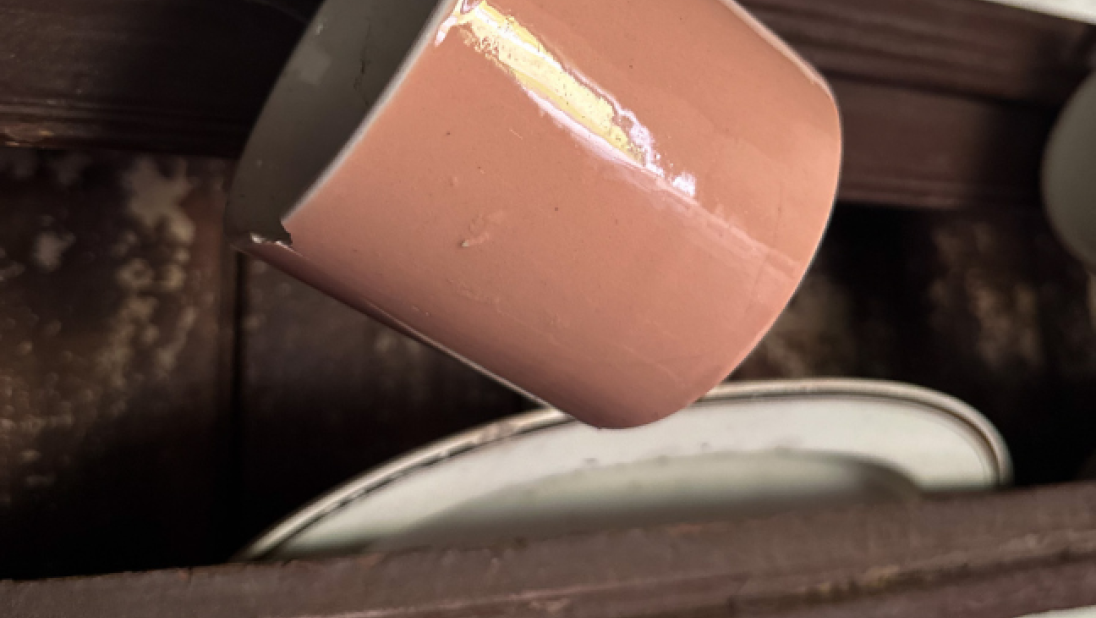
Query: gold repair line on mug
{"x": 572, "y": 100}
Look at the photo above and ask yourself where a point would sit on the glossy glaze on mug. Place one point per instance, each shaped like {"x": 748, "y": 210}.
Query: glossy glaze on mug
{"x": 606, "y": 204}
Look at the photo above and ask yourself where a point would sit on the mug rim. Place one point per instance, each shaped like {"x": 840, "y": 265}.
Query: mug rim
{"x": 250, "y": 168}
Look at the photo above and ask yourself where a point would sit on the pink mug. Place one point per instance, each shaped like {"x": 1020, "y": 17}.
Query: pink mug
{"x": 603, "y": 203}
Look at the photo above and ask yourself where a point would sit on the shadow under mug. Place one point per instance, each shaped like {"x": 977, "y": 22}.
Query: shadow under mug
{"x": 605, "y": 204}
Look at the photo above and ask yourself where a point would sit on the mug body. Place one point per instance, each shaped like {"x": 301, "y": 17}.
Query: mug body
{"x": 604, "y": 204}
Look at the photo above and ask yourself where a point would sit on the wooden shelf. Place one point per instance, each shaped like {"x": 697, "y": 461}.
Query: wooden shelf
{"x": 946, "y": 102}
{"x": 984, "y": 557}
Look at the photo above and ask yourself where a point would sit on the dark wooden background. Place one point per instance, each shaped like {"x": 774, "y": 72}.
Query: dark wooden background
{"x": 990, "y": 556}
{"x": 162, "y": 400}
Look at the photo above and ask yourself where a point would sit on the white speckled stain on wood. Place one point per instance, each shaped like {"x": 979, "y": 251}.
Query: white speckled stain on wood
{"x": 1006, "y": 312}
{"x": 173, "y": 276}
{"x": 125, "y": 243}
{"x": 134, "y": 314}
{"x": 135, "y": 275}
{"x": 49, "y": 248}
{"x": 155, "y": 198}
{"x": 820, "y": 317}
{"x": 167, "y": 356}
{"x": 155, "y": 201}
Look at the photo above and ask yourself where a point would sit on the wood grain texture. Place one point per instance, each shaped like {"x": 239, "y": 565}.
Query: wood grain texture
{"x": 912, "y": 148}
{"x": 976, "y": 557}
{"x": 191, "y": 75}
{"x": 111, "y": 423}
{"x": 171, "y": 75}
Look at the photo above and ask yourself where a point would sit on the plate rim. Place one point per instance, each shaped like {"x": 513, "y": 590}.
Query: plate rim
{"x": 505, "y": 429}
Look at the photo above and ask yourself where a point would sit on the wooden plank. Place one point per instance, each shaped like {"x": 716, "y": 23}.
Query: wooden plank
{"x": 327, "y": 393}
{"x": 977, "y": 557}
{"x": 111, "y": 428}
{"x": 172, "y": 75}
{"x": 909, "y": 148}
{"x": 190, "y": 76}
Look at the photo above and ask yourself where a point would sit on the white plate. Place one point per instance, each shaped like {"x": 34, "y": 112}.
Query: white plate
{"x": 746, "y": 449}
